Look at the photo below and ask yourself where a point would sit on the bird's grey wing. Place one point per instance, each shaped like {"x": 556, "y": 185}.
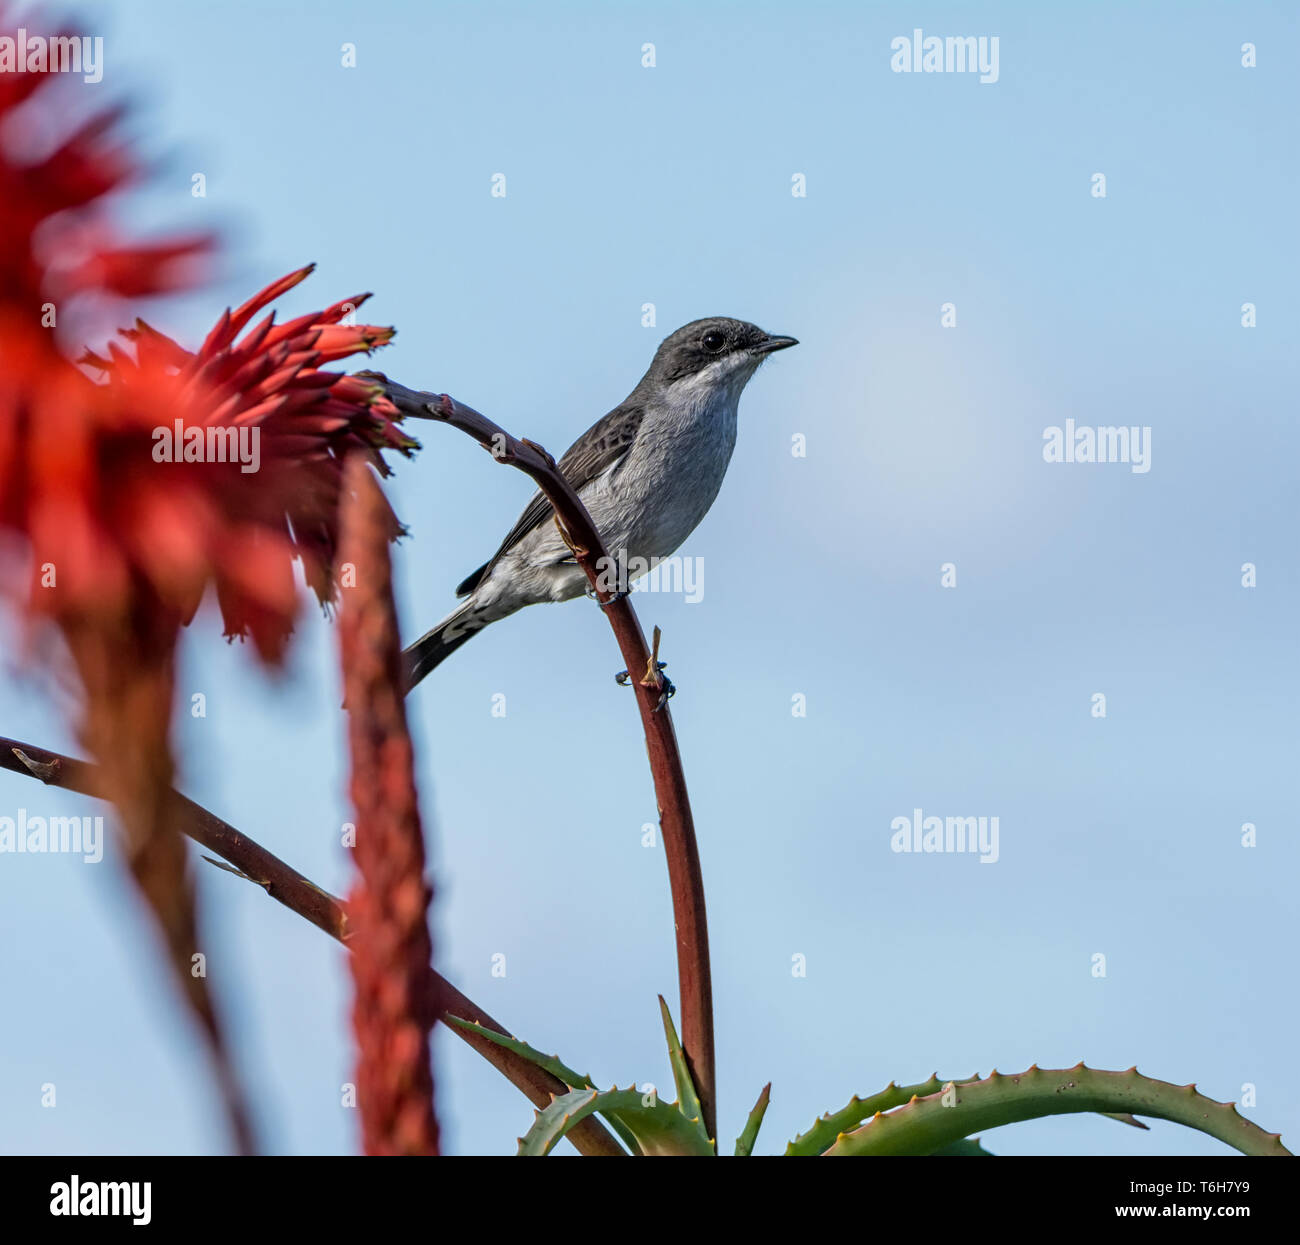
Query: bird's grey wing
{"x": 601, "y": 447}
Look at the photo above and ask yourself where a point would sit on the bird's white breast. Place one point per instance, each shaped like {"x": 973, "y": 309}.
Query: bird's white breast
{"x": 649, "y": 503}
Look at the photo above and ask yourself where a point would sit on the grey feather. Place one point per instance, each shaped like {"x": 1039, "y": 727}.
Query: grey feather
{"x": 604, "y": 444}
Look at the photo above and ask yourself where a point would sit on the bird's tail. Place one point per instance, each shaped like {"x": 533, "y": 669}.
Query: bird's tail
{"x": 437, "y": 644}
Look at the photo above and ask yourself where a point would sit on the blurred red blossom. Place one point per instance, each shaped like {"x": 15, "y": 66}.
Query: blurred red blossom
{"x": 109, "y": 528}
{"x": 63, "y": 448}
{"x": 88, "y": 477}
{"x": 122, "y": 540}
{"x": 186, "y": 523}
{"x": 57, "y": 243}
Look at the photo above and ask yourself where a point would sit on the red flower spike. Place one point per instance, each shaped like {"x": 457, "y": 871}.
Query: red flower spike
{"x": 395, "y": 1002}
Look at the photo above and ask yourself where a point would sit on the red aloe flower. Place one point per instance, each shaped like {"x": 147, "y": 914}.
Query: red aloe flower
{"x": 78, "y": 480}
{"x": 122, "y": 543}
{"x": 59, "y": 246}
{"x": 266, "y": 385}
{"x": 60, "y": 442}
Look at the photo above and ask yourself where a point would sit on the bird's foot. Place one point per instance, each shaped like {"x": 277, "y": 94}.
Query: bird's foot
{"x": 654, "y": 676}
{"x": 667, "y": 689}
{"x": 619, "y": 595}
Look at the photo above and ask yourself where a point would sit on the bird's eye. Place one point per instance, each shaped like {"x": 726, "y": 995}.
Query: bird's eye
{"x": 713, "y": 341}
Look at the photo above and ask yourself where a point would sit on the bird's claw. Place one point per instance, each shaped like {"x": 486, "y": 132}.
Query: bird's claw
{"x": 654, "y": 677}
{"x": 618, "y": 595}
{"x": 666, "y": 689}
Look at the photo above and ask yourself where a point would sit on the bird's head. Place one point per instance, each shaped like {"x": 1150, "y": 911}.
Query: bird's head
{"x": 717, "y": 352}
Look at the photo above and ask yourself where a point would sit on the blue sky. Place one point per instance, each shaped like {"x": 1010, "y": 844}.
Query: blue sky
{"x": 1119, "y": 836}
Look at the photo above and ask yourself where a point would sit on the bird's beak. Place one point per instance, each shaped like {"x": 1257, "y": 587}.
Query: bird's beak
{"x": 775, "y": 343}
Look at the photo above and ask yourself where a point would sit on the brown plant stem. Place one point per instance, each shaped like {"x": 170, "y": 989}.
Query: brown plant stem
{"x": 299, "y": 894}
{"x": 680, "y": 848}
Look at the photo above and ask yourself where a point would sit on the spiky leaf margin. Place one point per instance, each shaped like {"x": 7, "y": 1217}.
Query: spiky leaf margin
{"x": 824, "y": 1132}
{"x": 930, "y": 1122}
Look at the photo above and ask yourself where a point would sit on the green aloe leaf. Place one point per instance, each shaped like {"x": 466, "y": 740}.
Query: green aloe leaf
{"x": 686, "y": 1095}
{"x": 660, "y": 1128}
{"x": 551, "y": 1064}
{"x": 627, "y": 1129}
{"x": 939, "y": 1118}
{"x": 745, "y": 1142}
{"x": 822, "y": 1135}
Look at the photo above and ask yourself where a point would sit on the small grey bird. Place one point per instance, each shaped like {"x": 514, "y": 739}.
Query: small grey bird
{"x": 647, "y": 473}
